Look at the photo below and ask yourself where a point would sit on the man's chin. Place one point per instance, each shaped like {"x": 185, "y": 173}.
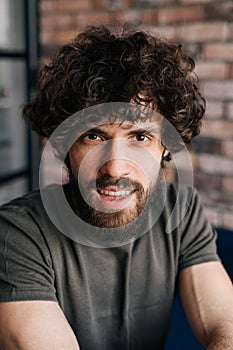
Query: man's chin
{"x": 110, "y": 220}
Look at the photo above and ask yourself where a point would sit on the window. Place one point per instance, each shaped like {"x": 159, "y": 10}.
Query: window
{"x": 19, "y": 147}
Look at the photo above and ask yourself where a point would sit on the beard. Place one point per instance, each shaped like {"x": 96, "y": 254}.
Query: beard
{"x": 123, "y": 218}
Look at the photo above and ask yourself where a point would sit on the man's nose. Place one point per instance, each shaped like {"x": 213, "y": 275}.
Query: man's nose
{"x": 117, "y": 164}
{"x": 115, "y": 168}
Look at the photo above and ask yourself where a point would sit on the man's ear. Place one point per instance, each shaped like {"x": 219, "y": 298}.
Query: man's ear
{"x": 166, "y": 156}
{"x": 68, "y": 166}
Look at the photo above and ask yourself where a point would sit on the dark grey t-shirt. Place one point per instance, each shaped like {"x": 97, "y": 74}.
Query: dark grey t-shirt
{"x": 113, "y": 298}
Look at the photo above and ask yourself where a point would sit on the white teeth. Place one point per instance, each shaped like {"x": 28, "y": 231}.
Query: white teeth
{"x": 115, "y": 194}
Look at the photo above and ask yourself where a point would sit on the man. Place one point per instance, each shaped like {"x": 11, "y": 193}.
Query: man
{"x": 102, "y": 271}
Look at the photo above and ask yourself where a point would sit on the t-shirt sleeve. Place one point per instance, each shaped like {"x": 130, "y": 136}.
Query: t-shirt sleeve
{"x": 198, "y": 237}
{"x": 26, "y": 271}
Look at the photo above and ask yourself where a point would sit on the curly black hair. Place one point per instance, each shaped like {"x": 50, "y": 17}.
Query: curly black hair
{"x": 103, "y": 64}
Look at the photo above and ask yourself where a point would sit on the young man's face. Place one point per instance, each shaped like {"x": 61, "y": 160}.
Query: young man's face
{"x": 115, "y": 168}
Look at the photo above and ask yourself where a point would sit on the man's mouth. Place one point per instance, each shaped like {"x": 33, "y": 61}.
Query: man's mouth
{"x": 115, "y": 197}
{"x": 112, "y": 194}
{"x": 116, "y": 194}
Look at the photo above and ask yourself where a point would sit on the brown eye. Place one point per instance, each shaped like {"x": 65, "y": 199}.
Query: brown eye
{"x": 141, "y": 138}
{"x": 92, "y": 137}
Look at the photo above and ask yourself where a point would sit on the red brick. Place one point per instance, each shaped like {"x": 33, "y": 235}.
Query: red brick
{"x": 221, "y": 200}
{"x": 179, "y": 14}
{"x": 131, "y": 16}
{"x": 206, "y": 181}
{"x": 219, "y": 90}
{"x": 229, "y": 110}
{"x": 217, "y": 128}
{"x": 200, "y": 32}
{"x": 227, "y": 184}
{"x": 116, "y": 17}
{"x": 73, "y": 6}
{"x": 227, "y": 150}
{"x": 55, "y": 22}
{"x": 219, "y": 51}
{"x": 93, "y": 18}
{"x": 151, "y": 3}
{"x": 98, "y": 4}
{"x": 231, "y": 71}
{"x": 48, "y": 38}
{"x": 212, "y": 70}
{"x": 194, "y": 49}
{"x": 212, "y": 164}
{"x": 205, "y": 145}
{"x": 149, "y": 16}
{"x": 194, "y": 1}
{"x": 109, "y": 5}
{"x": 46, "y": 6}
{"x": 214, "y": 110}
{"x": 227, "y": 220}
{"x": 221, "y": 10}
{"x": 164, "y": 31}
{"x": 129, "y": 2}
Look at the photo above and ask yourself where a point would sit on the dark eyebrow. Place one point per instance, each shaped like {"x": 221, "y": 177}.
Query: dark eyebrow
{"x": 151, "y": 130}
{"x": 96, "y": 131}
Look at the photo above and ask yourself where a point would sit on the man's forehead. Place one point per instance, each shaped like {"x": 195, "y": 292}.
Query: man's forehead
{"x": 127, "y": 124}
{"x": 154, "y": 122}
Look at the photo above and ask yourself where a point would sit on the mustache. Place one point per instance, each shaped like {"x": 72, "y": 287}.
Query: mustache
{"x": 122, "y": 182}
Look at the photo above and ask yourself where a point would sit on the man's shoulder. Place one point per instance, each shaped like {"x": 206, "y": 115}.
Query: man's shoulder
{"x": 28, "y": 205}
{"x": 29, "y": 199}
{"x": 179, "y": 192}
{"x": 25, "y": 217}
{"x": 21, "y": 204}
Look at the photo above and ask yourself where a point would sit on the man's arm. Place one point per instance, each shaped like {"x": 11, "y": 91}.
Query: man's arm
{"x": 35, "y": 325}
{"x": 207, "y": 296}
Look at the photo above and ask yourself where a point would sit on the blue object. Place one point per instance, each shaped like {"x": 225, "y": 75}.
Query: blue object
{"x": 180, "y": 335}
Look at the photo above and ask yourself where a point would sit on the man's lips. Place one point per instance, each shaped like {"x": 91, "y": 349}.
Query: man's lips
{"x": 115, "y": 193}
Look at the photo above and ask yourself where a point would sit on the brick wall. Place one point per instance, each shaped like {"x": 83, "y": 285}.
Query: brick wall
{"x": 206, "y": 29}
